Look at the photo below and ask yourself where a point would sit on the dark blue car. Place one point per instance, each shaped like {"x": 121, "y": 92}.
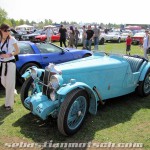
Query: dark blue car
{"x": 41, "y": 54}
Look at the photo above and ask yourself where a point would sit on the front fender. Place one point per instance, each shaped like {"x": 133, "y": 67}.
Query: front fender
{"x": 144, "y": 71}
{"x": 26, "y": 74}
{"x": 71, "y": 86}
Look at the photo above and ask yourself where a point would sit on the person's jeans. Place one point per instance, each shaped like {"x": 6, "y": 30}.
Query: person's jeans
{"x": 88, "y": 44}
{"x": 76, "y": 42}
{"x": 145, "y": 53}
{"x": 84, "y": 43}
{"x": 96, "y": 42}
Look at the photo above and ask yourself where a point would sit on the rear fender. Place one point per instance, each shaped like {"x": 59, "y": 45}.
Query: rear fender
{"x": 144, "y": 71}
{"x": 71, "y": 86}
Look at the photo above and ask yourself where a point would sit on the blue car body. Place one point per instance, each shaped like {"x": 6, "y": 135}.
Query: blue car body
{"x": 78, "y": 86}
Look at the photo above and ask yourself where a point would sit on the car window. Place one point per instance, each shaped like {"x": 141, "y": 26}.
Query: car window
{"x": 48, "y": 48}
{"x": 25, "y": 48}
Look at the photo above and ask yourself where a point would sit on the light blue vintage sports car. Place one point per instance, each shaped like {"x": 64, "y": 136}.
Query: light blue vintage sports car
{"x": 69, "y": 91}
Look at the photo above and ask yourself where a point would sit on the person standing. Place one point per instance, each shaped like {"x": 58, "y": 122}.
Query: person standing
{"x": 49, "y": 34}
{"x": 8, "y": 50}
{"x": 71, "y": 37}
{"x": 90, "y": 35}
{"x": 146, "y": 43}
{"x": 96, "y": 37}
{"x": 128, "y": 44}
{"x": 77, "y": 34}
{"x": 62, "y": 32}
{"x": 84, "y": 37}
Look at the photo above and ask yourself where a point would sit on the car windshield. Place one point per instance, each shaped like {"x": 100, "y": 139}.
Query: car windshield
{"x": 48, "y": 48}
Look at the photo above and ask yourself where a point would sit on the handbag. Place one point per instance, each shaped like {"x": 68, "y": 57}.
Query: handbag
{"x": 16, "y": 57}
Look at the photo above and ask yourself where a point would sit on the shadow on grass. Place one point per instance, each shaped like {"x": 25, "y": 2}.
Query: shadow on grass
{"x": 116, "y": 111}
{"x": 4, "y": 113}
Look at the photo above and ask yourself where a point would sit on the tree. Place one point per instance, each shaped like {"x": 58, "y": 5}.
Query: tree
{"x": 13, "y": 22}
{"x": 27, "y": 22}
{"x": 3, "y": 15}
{"x": 7, "y": 21}
{"x": 21, "y": 21}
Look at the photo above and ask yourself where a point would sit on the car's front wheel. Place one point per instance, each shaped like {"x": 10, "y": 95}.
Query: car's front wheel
{"x": 119, "y": 40}
{"x": 26, "y": 90}
{"x": 72, "y": 112}
{"x": 144, "y": 86}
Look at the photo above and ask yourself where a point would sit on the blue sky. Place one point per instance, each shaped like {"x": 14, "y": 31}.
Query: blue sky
{"x": 108, "y": 11}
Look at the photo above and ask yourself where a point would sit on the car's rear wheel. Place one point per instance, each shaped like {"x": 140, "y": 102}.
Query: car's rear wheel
{"x": 102, "y": 41}
{"x": 144, "y": 86}
{"x": 72, "y": 112}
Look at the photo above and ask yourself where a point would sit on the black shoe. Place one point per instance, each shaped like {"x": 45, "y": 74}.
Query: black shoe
{"x": 8, "y": 108}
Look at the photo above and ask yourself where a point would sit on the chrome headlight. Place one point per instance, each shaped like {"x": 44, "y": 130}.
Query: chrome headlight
{"x": 35, "y": 72}
{"x": 56, "y": 81}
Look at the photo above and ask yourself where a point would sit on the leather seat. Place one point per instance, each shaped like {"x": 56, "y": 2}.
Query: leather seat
{"x": 135, "y": 63}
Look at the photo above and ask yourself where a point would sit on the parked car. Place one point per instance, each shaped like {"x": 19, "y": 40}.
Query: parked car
{"x": 138, "y": 38}
{"x": 128, "y": 31}
{"x": 125, "y": 35}
{"x": 31, "y": 37}
{"x": 41, "y": 38}
{"x": 102, "y": 37}
{"x": 69, "y": 91}
{"x": 41, "y": 54}
{"x": 16, "y": 34}
{"x": 114, "y": 37}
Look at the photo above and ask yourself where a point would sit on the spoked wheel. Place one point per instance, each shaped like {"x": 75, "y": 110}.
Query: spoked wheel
{"x": 27, "y": 89}
{"x": 144, "y": 86}
{"x": 73, "y": 112}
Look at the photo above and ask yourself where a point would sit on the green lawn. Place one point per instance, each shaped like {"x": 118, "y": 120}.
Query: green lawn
{"x": 122, "y": 120}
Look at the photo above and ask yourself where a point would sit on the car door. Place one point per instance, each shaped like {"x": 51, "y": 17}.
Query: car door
{"x": 53, "y": 54}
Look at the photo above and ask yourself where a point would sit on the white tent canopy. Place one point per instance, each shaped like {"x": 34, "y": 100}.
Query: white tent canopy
{"x": 25, "y": 27}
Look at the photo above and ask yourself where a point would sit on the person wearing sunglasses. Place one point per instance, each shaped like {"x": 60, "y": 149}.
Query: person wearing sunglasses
{"x": 8, "y": 50}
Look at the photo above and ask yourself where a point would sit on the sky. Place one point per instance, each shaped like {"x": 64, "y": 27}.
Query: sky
{"x": 80, "y": 11}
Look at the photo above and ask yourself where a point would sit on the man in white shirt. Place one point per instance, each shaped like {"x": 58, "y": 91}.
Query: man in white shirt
{"x": 49, "y": 34}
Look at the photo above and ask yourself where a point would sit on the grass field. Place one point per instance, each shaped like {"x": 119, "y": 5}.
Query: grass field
{"x": 122, "y": 120}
